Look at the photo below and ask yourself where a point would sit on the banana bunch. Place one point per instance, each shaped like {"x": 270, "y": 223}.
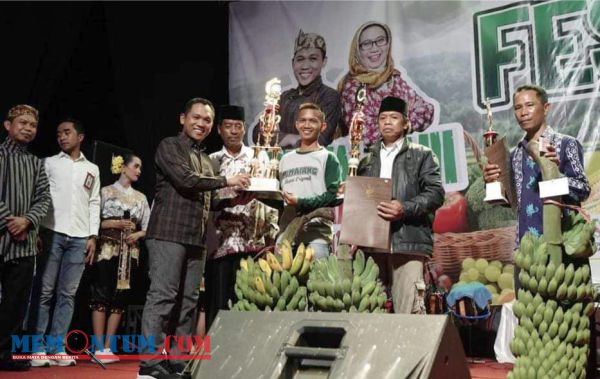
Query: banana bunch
{"x": 578, "y": 236}
{"x": 556, "y": 299}
{"x": 551, "y": 340}
{"x": 553, "y": 307}
{"x": 271, "y": 284}
{"x": 330, "y": 291}
{"x": 542, "y": 276}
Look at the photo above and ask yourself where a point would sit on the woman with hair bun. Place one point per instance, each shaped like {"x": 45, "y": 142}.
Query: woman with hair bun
{"x": 125, "y": 213}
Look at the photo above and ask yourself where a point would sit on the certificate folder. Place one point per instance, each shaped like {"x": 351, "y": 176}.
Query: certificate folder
{"x": 361, "y": 225}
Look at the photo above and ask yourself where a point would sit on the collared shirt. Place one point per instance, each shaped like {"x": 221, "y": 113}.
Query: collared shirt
{"x": 184, "y": 181}
{"x": 527, "y": 175}
{"x": 243, "y": 228}
{"x": 24, "y": 192}
{"x": 75, "y": 191}
{"x": 318, "y": 93}
{"x": 387, "y": 156}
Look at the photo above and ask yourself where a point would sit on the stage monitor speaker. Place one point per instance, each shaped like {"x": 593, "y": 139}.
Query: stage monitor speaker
{"x": 102, "y": 157}
{"x": 282, "y": 345}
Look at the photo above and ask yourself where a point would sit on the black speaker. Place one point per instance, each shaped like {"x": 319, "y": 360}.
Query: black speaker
{"x": 280, "y": 345}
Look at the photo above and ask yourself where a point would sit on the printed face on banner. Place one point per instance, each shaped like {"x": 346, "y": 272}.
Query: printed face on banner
{"x": 198, "y": 122}
{"x": 392, "y": 125}
{"x": 373, "y": 47}
{"x": 529, "y": 111}
{"x": 307, "y": 65}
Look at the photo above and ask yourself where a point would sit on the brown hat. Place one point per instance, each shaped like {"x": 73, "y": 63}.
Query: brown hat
{"x": 308, "y": 40}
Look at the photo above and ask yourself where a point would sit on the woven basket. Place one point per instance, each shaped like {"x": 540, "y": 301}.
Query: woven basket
{"x": 450, "y": 249}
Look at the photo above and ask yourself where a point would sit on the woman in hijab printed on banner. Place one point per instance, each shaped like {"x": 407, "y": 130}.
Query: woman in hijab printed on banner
{"x": 371, "y": 65}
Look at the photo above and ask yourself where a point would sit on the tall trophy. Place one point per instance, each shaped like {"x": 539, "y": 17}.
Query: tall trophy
{"x": 264, "y": 166}
{"x": 496, "y": 152}
{"x": 356, "y": 132}
{"x": 361, "y": 225}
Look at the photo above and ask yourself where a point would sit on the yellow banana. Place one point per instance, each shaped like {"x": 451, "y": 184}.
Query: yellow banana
{"x": 298, "y": 260}
{"x": 286, "y": 254}
{"x": 264, "y": 266}
{"x": 260, "y": 286}
{"x": 273, "y": 262}
{"x": 308, "y": 254}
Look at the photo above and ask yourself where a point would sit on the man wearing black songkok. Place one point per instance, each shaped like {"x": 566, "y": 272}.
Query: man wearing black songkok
{"x": 417, "y": 193}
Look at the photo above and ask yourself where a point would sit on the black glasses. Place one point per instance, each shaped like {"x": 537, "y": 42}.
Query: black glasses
{"x": 366, "y": 45}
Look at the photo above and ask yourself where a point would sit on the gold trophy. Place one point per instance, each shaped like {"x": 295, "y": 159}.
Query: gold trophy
{"x": 356, "y": 132}
{"x": 264, "y": 166}
{"x": 496, "y": 152}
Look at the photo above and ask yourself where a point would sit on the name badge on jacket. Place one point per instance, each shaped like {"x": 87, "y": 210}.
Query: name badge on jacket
{"x": 89, "y": 181}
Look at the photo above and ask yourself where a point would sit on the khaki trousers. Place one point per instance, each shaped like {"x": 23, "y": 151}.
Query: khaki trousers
{"x": 404, "y": 274}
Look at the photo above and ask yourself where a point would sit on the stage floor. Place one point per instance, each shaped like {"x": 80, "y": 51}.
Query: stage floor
{"x": 480, "y": 369}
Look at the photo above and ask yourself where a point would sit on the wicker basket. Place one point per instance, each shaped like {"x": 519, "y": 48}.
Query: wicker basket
{"x": 450, "y": 249}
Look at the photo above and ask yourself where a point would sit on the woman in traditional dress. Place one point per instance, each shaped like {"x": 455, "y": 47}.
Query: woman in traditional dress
{"x": 125, "y": 213}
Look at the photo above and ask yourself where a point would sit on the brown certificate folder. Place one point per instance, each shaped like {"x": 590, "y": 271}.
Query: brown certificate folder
{"x": 360, "y": 223}
{"x": 498, "y": 154}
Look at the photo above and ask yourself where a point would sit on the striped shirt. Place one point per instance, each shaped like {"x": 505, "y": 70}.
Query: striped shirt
{"x": 184, "y": 183}
{"x": 24, "y": 191}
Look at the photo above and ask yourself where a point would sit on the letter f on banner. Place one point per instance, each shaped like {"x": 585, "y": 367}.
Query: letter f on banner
{"x": 503, "y": 46}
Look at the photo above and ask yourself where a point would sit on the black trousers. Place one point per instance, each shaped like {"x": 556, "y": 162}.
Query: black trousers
{"x": 16, "y": 277}
{"x": 219, "y": 283}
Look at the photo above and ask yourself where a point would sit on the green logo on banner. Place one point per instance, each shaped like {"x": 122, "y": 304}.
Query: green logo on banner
{"x": 555, "y": 44}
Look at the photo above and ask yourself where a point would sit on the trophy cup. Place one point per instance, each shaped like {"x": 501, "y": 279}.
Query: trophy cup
{"x": 496, "y": 152}
{"x": 356, "y": 132}
{"x": 264, "y": 166}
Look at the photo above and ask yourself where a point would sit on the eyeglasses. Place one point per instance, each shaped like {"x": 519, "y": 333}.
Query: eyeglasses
{"x": 366, "y": 45}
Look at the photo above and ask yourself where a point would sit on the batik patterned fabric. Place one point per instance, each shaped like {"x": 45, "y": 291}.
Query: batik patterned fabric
{"x": 242, "y": 228}
{"x": 420, "y": 112}
{"x": 527, "y": 175}
{"x": 117, "y": 199}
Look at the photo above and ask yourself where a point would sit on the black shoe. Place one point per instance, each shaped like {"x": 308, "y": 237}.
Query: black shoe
{"x": 160, "y": 370}
{"x": 11, "y": 365}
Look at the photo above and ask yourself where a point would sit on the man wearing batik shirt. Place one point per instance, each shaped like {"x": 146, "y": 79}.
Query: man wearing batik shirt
{"x": 24, "y": 201}
{"x": 531, "y": 107}
{"x": 310, "y": 56}
{"x": 242, "y": 230}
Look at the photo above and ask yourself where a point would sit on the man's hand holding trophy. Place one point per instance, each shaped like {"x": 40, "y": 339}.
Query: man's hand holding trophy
{"x": 264, "y": 166}
{"x": 496, "y": 171}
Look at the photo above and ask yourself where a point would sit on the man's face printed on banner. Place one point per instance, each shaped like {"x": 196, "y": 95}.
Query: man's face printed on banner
{"x": 373, "y": 48}
{"x": 307, "y": 65}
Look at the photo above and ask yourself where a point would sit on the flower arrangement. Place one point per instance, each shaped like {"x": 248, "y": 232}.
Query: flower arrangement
{"x": 116, "y": 164}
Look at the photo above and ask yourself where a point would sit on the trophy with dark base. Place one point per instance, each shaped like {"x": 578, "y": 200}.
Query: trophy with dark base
{"x": 496, "y": 152}
{"x": 264, "y": 166}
